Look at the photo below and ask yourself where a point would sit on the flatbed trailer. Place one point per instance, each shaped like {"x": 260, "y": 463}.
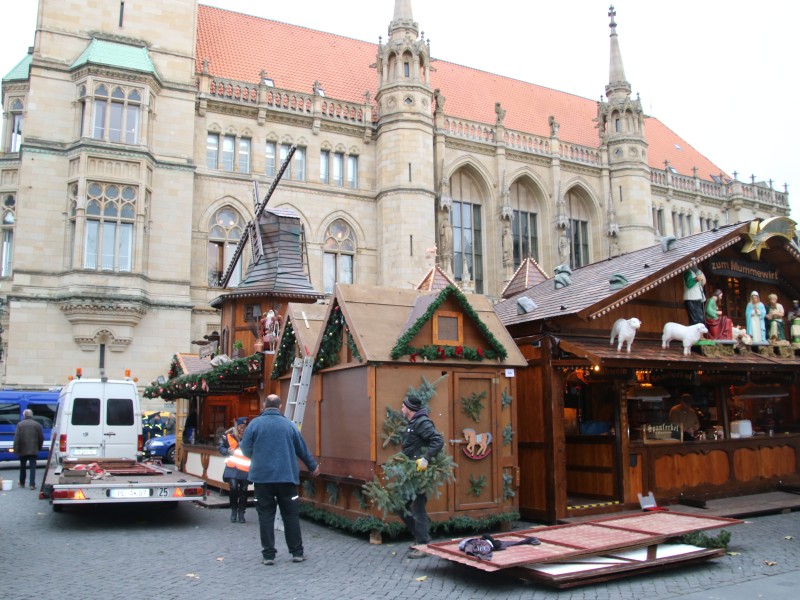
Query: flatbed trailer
{"x": 84, "y": 481}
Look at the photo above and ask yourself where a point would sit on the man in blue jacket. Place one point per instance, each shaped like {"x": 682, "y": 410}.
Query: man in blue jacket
{"x": 273, "y": 444}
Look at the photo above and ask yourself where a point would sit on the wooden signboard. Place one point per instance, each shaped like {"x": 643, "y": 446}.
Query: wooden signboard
{"x": 661, "y": 433}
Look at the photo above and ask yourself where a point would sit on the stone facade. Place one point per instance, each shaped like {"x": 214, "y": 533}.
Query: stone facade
{"x": 412, "y": 176}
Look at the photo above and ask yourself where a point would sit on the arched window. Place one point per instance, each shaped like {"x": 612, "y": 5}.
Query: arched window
{"x": 525, "y": 225}
{"x": 467, "y": 226}
{"x": 224, "y": 232}
{"x": 338, "y": 255}
{"x": 110, "y": 215}
{"x": 7, "y": 227}
{"x": 579, "y": 230}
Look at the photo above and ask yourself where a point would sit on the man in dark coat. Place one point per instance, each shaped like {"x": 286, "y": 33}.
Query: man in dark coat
{"x": 421, "y": 442}
{"x": 273, "y": 444}
{"x": 28, "y": 441}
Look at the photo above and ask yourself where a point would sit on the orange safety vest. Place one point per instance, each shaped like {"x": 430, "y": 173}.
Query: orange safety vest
{"x": 236, "y": 460}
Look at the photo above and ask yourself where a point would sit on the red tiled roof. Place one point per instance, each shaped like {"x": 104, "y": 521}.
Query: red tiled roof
{"x": 240, "y": 46}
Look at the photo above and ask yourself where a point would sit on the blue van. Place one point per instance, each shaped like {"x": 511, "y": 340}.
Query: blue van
{"x": 12, "y": 402}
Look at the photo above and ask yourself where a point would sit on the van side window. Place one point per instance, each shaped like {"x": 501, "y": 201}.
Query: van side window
{"x": 86, "y": 411}
{"x": 9, "y": 413}
{"x": 44, "y": 414}
{"x": 119, "y": 411}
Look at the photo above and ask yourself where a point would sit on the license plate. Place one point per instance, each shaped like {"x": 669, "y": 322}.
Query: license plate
{"x": 130, "y": 493}
{"x": 84, "y": 451}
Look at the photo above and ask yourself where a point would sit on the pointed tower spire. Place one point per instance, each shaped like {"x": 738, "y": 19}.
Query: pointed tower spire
{"x": 403, "y": 25}
{"x": 617, "y": 87}
{"x": 402, "y": 10}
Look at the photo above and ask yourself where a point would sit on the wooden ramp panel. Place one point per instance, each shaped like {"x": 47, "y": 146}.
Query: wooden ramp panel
{"x": 590, "y": 538}
{"x": 606, "y": 567}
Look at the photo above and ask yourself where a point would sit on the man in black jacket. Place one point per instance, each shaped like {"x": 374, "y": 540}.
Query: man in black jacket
{"x": 28, "y": 441}
{"x": 421, "y": 442}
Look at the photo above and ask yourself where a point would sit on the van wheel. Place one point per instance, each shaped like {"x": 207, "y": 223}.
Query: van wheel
{"x": 171, "y": 455}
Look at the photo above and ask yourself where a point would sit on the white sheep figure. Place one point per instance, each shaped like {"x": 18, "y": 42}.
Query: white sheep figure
{"x": 624, "y": 330}
{"x": 689, "y": 335}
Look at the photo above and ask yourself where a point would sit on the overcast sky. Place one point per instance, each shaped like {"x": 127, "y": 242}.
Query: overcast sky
{"x": 722, "y": 74}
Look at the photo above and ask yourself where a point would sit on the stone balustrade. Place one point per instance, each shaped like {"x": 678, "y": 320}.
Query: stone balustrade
{"x": 758, "y": 192}
{"x": 582, "y": 154}
{"x": 525, "y": 142}
{"x": 283, "y": 100}
{"x": 470, "y": 130}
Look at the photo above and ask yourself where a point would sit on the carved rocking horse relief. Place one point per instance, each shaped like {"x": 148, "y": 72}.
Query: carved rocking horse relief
{"x": 478, "y": 446}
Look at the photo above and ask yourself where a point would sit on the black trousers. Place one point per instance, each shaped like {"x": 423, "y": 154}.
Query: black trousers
{"x": 238, "y": 493}
{"x": 417, "y": 519}
{"x": 27, "y": 460}
{"x": 270, "y": 497}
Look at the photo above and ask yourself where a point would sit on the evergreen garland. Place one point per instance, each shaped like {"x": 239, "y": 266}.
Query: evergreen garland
{"x": 394, "y": 528}
{"x": 286, "y": 352}
{"x": 508, "y": 492}
{"x": 508, "y": 435}
{"x": 403, "y": 346}
{"x": 332, "y": 490}
{"x": 476, "y": 485}
{"x": 187, "y": 386}
{"x": 174, "y": 368}
{"x": 351, "y": 343}
{"x": 505, "y": 399}
{"x": 473, "y": 405}
{"x": 403, "y": 483}
{"x": 331, "y": 344}
{"x": 703, "y": 540}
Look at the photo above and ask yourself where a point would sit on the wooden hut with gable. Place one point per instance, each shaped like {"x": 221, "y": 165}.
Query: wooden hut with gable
{"x": 375, "y": 344}
{"x": 594, "y": 421}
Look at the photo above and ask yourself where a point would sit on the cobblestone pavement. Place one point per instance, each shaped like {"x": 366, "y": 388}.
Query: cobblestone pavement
{"x": 197, "y": 553}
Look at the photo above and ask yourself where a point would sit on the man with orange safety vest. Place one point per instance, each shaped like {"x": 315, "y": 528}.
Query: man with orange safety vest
{"x": 237, "y": 467}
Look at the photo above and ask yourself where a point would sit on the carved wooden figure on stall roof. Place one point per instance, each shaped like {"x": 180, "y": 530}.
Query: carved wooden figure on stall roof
{"x": 270, "y": 328}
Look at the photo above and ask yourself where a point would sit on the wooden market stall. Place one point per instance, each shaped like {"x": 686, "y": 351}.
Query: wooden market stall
{"x": 594, "y": 421}
{"x": 376, "y": 344}
{"x": 213, "y": 391}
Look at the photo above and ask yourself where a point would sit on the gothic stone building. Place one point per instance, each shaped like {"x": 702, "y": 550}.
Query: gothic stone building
{"x": 133, "y": 134}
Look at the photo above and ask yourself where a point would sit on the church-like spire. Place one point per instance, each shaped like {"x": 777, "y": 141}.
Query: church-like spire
{"x": 402, "y": 10}
{"x": 618, "y": 86}
{"x": 403, "y": 24}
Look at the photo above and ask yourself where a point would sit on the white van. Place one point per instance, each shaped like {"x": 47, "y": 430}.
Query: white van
{"x": 98, "y": 418}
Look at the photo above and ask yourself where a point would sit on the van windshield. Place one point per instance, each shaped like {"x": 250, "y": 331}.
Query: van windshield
{"x": 44, "y": 414}
{"x": 9, "y": 413}
{"x": 86, "y": 411}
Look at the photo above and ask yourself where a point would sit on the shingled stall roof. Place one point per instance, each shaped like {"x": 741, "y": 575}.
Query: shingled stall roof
{"x": 279, "y": 270}
{"x": 378, "y": 316}
{"x": 342, "y": 66}
{"x": 528, "y": 274}
{"x": 589, "y": 293}
{"x": 648, "y": 352}
{"x": 435, "y": 280}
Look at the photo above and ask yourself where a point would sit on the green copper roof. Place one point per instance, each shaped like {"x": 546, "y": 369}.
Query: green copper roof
{"x": 21, "y": 71}
{"x": 112, "y": 54}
